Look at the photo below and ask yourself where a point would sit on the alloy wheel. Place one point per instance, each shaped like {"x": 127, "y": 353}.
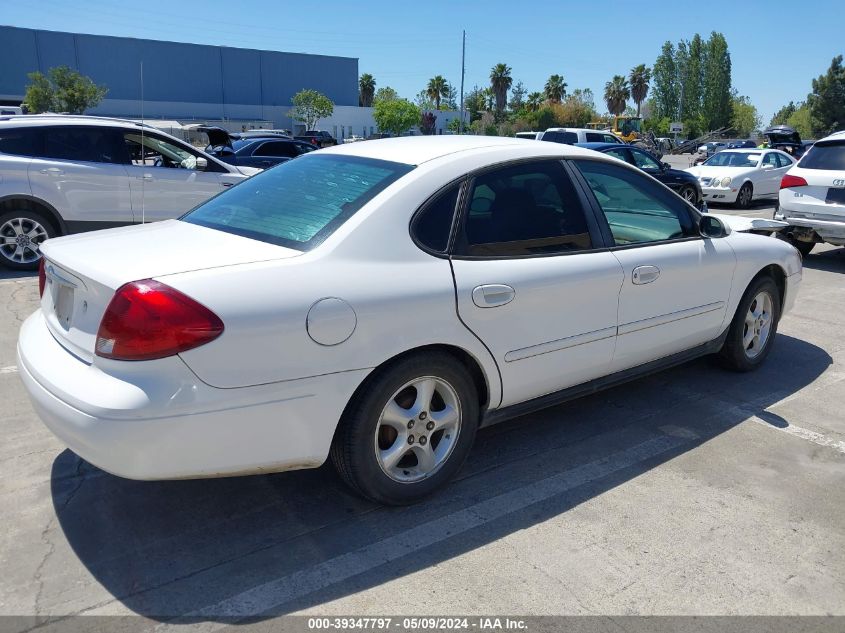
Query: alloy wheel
{"x": 758, "y": 325}
{"x": 418, "y": 429}
{"x": 20, "y": 240}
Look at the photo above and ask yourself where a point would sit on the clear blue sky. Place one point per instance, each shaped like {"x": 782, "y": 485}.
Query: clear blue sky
{"x": 776, "y": 47}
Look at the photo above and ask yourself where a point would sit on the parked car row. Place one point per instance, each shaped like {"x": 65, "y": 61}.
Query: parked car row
{"x": 255, "y": 148}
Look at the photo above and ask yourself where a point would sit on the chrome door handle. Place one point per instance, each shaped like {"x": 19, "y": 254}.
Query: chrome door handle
{"x": 492, "y": 295}
{"x": 227, "y": 184}
{"x": 52, "y": 171}
{"x": 144, "y": 177}
{"x": 645, "y": 274}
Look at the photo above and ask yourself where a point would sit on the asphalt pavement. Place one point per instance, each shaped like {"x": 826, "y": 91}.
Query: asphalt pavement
{"x": 694, "y": 491}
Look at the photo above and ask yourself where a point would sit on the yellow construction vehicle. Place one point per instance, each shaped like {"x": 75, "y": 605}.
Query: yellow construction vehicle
{"x": 628, "y": 128}
{"x": 598, "y": 125}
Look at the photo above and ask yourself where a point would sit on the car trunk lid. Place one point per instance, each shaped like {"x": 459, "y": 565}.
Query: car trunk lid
{"x": 84, "y": 271}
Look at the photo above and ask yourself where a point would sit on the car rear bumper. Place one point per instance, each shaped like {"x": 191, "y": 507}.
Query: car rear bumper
{"x": 157, "y": 420}
{"x": 830, "y": 231}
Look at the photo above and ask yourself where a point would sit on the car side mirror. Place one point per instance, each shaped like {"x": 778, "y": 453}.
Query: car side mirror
{"x": 666, "y": 165}
{"x": 202, "y": 163}
{"x": 712, "y": 227}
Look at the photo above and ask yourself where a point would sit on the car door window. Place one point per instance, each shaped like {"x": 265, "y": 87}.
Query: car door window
{"x": 594, "y": 137}
{"x": 637, "y": 209}
{"x": 784, "y": 160}
{"x": 93, "y": 145}
{"x": 276, "y": 149}
{"x": 527, "y": 209}
{"x": 609, "y": 138}
{"x": 560, "y": 137}
{"x": 149, "y": 150}
{"x": 621, "y": 154}
{"x": 771, "y": 158}
{"x": 304, "y": 148}
{"x": 644, "y": 161}
{"x": 433, "y": 223}
{"x": 21, "y": 141}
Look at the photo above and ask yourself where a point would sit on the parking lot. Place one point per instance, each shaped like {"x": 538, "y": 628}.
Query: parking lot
{"x": 694, "y": 491}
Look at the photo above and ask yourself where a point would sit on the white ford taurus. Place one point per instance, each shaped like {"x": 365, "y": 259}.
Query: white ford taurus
{"x": 379, "y": 302}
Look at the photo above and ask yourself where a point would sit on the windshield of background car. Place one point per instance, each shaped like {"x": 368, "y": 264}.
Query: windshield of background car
{"x": 732, "y": 159}
{"x": 823, "y": 156}
{"x": 299, "y": 203}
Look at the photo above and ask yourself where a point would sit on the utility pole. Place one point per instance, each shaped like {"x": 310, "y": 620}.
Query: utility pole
{"x": 463, "y": 71}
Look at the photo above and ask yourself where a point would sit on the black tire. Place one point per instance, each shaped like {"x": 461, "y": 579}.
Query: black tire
{"x": 743, "y": 198}
{"x": 734, "y": 354}
{"x": 353, "y": 450}
{"x": 31, "y": 223}
{"x": 689, "y": 194}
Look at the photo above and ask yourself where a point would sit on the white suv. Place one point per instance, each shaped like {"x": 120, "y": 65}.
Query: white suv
{"x": 812, "y": 196}
{"x": 572, "y": 135}
{"x": 68, "y": 174}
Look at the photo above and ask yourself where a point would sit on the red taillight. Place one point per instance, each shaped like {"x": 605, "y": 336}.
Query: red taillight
{"x": 148, "y": 319}
{"x": 42, "y": 277}
{"x": 792, "y": 181}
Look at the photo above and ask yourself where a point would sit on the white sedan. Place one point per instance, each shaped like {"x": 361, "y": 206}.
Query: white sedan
{"x": 739, "y": 176}
{"x": 379, "y": 302}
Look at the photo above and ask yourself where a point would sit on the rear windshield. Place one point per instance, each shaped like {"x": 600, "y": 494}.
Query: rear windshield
{"x": 299, "y": 203}
{"x": 561, "y": 137}
{"x": 825, "y": 157}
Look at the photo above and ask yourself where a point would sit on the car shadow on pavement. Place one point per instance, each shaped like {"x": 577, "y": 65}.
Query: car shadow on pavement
{"x": 268, "y": 545}
{"x": 831, "y": 260}
{"x": 7, "y": 274}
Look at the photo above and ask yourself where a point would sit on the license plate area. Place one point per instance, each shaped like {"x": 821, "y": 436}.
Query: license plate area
{"x": 62, "y": 303}
{"x": 835, "y": 196}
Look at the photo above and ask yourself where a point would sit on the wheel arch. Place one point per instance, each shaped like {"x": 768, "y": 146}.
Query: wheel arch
{"x": 469, "y": 361}
{"x": 31, "y": 203}
{"x": 777, "y": 274}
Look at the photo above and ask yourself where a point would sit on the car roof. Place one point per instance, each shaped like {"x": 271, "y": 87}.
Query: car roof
{"x": 836, "y": 136}
{"x": 414, "y": 150}
{"x": 24, "y": 120}
{"x": 598, "y": 147}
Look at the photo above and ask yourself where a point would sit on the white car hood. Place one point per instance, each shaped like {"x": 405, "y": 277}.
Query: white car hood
{"x": 712, "y": 172}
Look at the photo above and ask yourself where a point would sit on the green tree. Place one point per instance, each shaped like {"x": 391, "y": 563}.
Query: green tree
{"x": 716, "y": 93}
{"x": 395, "y": 116}
{"x": 366, "y": 90}
{"x": 385, "y": 94}
{"x": 555, "y": 88}
{"x": 518, "y": 93}
{"x": 692, "y": 78}
{"x": 451, "y": 98}
{"x": 665, "y": 83}
{"x": 639, "y": 78}
{"x": 802, "y": 121}
{"x": 782, "y": 115}
{"x": 745, "y": 118}
{"x": 437, "y": 89}
{"x": 534, "y": 101}
{"x": 309, "y": 106}
{"x": 62, "y": 90}
{"x": 616, "y": 94}
{"x": 827, "y": 101}
{"x": 423, "y": 101}
{"x": 474, "y": 103}
{"x": 500, "y": 83}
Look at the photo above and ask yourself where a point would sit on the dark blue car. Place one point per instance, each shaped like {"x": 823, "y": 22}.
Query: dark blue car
{"x": 683, "y": 183}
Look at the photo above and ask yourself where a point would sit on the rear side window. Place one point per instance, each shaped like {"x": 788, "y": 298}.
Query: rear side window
{"x": 20, "y": 141}
{"x": 609, "y": 138}
{"x": 825, "y": 156}
{"x": 301, "y": 202}
{"x": 93, "y": 145}
{"x": 529, "y": 209}
{"x": 595, "y": 137}
{"x": 637, "y": 209}
{"x": 560, "y": 137}
{"x": 276, "y": 148}
{"x": 433, "y": 224}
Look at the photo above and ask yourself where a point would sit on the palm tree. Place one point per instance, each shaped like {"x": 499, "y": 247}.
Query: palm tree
{"x": 438, "y": 88}
{"x": 639, "y": 77}
{"x": 555, "y": 89}
{"x": 534, "y": 100}
{"x": 500, "y": 82}
{"x": 616, "y": 94}
{"x": 367, "y": 88}
{"x": 488, "y": 96}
